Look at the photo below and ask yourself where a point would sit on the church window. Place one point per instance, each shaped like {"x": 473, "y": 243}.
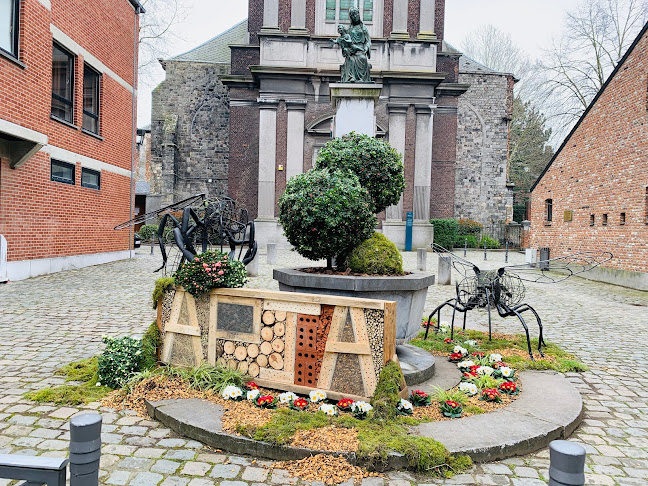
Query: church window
{"x": 367, "y": 10}
{"x": 338, "y": 10}
{"x": 330, "y": 9}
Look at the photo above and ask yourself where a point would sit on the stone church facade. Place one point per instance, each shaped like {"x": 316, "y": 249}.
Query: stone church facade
{"x": 244, "y": 112}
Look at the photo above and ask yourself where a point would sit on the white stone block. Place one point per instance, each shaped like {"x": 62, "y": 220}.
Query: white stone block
{"x": 3, "y": 259}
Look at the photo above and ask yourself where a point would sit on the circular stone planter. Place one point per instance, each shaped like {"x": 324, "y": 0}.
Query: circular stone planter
{"x": 408, "y": 291}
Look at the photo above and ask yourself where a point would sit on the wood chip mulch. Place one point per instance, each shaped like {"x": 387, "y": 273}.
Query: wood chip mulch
{"x": 327, "y": 439}
{"x": 325, "y": 468}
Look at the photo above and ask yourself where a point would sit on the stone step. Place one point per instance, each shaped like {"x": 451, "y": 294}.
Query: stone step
{"x": 418, "y": 365}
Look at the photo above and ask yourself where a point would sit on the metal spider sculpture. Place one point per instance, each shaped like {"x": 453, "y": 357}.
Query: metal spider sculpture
{"x": 206, "y": 223}
{"x": 503, "y": 289}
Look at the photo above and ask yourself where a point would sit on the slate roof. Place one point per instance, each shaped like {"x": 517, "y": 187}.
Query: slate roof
{"x": 217, "y": 50}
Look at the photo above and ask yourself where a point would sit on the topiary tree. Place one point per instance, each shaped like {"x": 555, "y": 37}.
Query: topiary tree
{"x": 376, "y": 256}
{"x": 326, "y": 213}
{"x": 376, "y": 163}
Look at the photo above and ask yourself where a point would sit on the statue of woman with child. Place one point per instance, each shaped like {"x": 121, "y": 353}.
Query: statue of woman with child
{"x": 356, "y": 49}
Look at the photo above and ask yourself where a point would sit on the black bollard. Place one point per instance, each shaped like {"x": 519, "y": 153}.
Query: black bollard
{"x": 485, "y": 258}
{"x": 85, "y": 449}
{"x": 465, "y": 245}
{"x": 506, "y": 255}
{"x": 566, "y": 463}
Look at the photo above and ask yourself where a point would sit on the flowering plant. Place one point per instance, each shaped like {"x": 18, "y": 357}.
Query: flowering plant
{"x": 470, "y": 342}
{"x": 328, "y": 409}
{"x": 253, "y": 394}
{"x": 455, "y": 357}
{"x": 361, "y": 409}
{"x": 494, "y": 358}
{"x": 509, "y": 388}
{"x": 231, "y": 392}
{"x": 490, "y": 395}
{"x": 266, "y": 401}
{"x": 404, "y": 407}
{"x": 498, "y": 364}
{"x": 300, "y": 404}
{"x": 448, "y": 341}
{"x": 469, "y": 389}
{"x": 459, "y": 349}
{"x": 507, "y": 373}
{"x": 287, "y": 397}
{"x": 317, "y": 396}
{"x": 419, "y": 398}
{"x": 250, "y": 385}
{"x": 210, "y": 270}
{"x": 465, "y": 366}
{"x": 345, "y": 404}
{"x": 485, "y": 370}
{"x": 451, "y": 409}
{"x": 477, "y": 354}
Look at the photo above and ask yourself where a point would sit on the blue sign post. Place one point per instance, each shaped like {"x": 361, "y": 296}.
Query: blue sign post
{"x": 409, "y": 226}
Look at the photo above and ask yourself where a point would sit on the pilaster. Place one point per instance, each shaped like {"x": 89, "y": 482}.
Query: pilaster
{"x": 397, "y": 123}
{"x": 267, "y": 157}
{"x": 270, "y": 15}
{"x": 426, "y": 20}
{"x": 298, "y": 16}
{"x": 399, "y": 24}
{"x": 295, "y": 138}
{"x": 422, "y": 162}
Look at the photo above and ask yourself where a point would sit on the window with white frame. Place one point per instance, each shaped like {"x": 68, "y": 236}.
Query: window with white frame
{"x": 9, "y": 10}
{"x": 338, "y": 10}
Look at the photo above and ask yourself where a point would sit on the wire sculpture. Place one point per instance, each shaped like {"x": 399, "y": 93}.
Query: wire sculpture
{"x": 202, "y": 222}
{"x": 503, "y": 289}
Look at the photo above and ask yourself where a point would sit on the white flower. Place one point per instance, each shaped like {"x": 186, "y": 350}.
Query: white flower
{"x": 405, "y": 404}
{"x": 98, "y": 383}
{"x": 468, "y": 388}
{"x": 444, "y": 326}
{"x": 459, "y": 349}
{"x": 287, "y": 397}
{"x": 485, "y": 370}
{"x": 494, "y": 358}
{"x": 317, "y": 396}
{"x": 328, "y": 409}
{"x": 138, "y": 353}
{"x": 506, "y": 371}
{"x": 231, "y": 392}
{"x": 465, "y": 364}
{"x": 363, "y": 407}
{"x": 470, "y": 342}
{"x": 252, "y": 394}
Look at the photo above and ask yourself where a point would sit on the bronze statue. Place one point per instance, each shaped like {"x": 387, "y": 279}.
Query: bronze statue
{"x": 356, "y": 49}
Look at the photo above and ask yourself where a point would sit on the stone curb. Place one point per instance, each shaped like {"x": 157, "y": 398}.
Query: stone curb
{"x": 418, "y": 365}
{"x": 549, "y": 408}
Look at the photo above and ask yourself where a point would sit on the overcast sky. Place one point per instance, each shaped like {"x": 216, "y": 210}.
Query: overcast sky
{"x": 531, "y": 23}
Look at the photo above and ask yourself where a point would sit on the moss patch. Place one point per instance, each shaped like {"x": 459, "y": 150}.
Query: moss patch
{"x": 385, "y": 397}
{"x": 161, "y": 286}
{"x": 151, "y": 341}
{"x": 84, "y": 371}
{"x": 376, "y": 256}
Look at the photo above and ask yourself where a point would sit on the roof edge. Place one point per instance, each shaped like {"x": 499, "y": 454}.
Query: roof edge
{"x": 139, "y": 8}
{"x": 592, "y": 103}
{"x": 175, "y": 58}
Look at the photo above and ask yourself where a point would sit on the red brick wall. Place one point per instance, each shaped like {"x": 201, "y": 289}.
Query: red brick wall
{"x": 255, "y": 20}
{"x": 439, "y": 19}
{"x": 41, "y": 218}
{"x": 388, "y": 17}
{"x": 602, "y": 169}
{"x": 244, "y": 154}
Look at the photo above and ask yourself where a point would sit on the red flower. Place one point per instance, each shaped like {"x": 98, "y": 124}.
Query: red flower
{"x": 452, "y": 404}
{"x": 345, "y": 404}
{"x": 265, "y": 399}
{"x": 420, "y": 393}
{"x": 448, "y": 340}
{"x": 478, "y": 354}
{"x": 251, "y": 386}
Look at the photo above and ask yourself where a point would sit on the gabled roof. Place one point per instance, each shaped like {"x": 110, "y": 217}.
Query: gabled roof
{"x": 468, "y": 64}
{"x": 592, "y": 103}
{"x": 217, "y": 50}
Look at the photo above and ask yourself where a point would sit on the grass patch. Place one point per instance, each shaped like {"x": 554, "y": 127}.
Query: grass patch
{"x": 84, "y": 371}
{"x": 512, "y": 347}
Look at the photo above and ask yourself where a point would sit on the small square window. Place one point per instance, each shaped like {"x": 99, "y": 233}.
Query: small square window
{"x": 592, "y": 220}
{"x": 63, "y": 172}
{"x": 90, "y": 178}
{"x": 622, "y": 219}
{"x": 605, "y": 219}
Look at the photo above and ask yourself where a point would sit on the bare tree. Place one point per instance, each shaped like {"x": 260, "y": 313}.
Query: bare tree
{"x": 595, "y": 37}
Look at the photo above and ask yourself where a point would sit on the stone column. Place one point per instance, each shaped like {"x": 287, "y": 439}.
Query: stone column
{"x": 270, "y": 15}
{"x": 426, "y": 20}
{"x": 295, "y": 138}
{"x": 267, "y": 157}
{"x": 423, "y": 163}
{"x": 397, "y": 122}
{"x": 399, "y": 25}
{"x": 298, "y": 16}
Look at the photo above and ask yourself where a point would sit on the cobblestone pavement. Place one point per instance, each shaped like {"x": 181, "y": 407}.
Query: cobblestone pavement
{"x": 48, "y": 321}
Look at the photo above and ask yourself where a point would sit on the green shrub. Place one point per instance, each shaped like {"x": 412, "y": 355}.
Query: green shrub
{"x": 148, "y": 232}
{"x": 376, "y": 256}
{"x": 490, "y": 243}
{"x": 385, "y": 399}
{"x": 162, "y": 285}
{"x": 210, "y": 270}
{"x": 376, "y": 163}
{"x": 470, "y": 227}
{"x": 445, "y": 232}
{"x": 151, "y": 341}
{"x": 472, "y": 241}
{"x": 326, "y": 213}
{"x": 121, "y": 358}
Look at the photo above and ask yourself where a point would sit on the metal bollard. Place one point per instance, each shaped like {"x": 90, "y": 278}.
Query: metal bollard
{"x": 272, "y": 253}
{"x": 151, "y": 246}
{"x": 85, "y": 449}
{"x": 485, "y": 258}
{"x": 421, "y": 259}
{"x": 566, "y": 463}
{"x": 465, "y": 246}
{"x": 506, "y": 255}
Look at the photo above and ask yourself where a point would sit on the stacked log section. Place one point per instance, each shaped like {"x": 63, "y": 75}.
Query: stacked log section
{"x": 273, "y": 344}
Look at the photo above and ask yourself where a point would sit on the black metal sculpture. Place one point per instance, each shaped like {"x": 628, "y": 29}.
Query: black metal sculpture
{"x": 206, "y": 223}
{"x": 503, "y": 289}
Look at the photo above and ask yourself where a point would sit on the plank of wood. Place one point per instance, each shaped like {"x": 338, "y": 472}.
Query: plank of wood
{"x": 290, "y": 340}
{"x": 330, "y": 359}
{"x": 196, "y": 344}
{"x": 389, "y": 337}
{"x": 169, "y": 339}
{"x": 347, "y": 348}
{"x": 296, "y": 307}
{"x": 182, "y": 329}
{"x": 191, "y": 310}
{"x": 276, "y": 375}
{"x": 176, "y": 307}
{"x": 359, "y": 324}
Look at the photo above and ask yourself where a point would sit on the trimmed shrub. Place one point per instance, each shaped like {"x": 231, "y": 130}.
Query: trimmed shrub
{"x": 376, "y": 163}
{"x": 470, "y": 227}
{"x": 376, "y": 256}
{"x": 490, "y": 243}
{"x": 326, "y": 213}
{"x": 473, "y": 242}
{"x": 445, "y": 232}
{"x": 210, "y": 270}
{"x": 148, "y": 232}
{"x": 122, "y": 358}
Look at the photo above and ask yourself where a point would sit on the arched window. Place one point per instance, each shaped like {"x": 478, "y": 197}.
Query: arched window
{"x": 548, "y": 210}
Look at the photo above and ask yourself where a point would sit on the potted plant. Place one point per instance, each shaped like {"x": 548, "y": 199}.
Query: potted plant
{"x": 330, "y": 213}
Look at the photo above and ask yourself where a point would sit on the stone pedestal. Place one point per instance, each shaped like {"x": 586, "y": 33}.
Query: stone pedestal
{"x": 422, "y": 233}
{"x": 354, "y": 104}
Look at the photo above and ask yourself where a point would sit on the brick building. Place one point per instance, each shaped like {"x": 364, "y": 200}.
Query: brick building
{"x": 270, "y": 75}
{"x": 68, "y": 78}
{"x": 593, "y": 195}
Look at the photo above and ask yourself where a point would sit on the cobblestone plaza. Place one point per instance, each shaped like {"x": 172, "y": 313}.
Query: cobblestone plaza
{"x": 48, "y": 321}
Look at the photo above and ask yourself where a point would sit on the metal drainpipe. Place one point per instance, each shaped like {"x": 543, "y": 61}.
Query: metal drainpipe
{"x": 131, "y": 202}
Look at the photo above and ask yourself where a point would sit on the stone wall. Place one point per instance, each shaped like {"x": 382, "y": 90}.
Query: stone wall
{"x": 190, "y": 132}
{"x": 481, "y": 193}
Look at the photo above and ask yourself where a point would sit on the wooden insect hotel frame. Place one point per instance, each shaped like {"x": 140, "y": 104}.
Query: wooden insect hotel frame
{"x": 284, "y": 340}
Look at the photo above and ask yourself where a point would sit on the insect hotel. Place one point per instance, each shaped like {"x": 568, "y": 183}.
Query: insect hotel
{"x": 284, "y": 340}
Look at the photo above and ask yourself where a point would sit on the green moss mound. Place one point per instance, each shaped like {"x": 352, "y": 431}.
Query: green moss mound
{"x": 161, "y": 286}
{"x": 385, "y": 399}
{"x": 376, "y": 256}
{"x": 151, "y": 341}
